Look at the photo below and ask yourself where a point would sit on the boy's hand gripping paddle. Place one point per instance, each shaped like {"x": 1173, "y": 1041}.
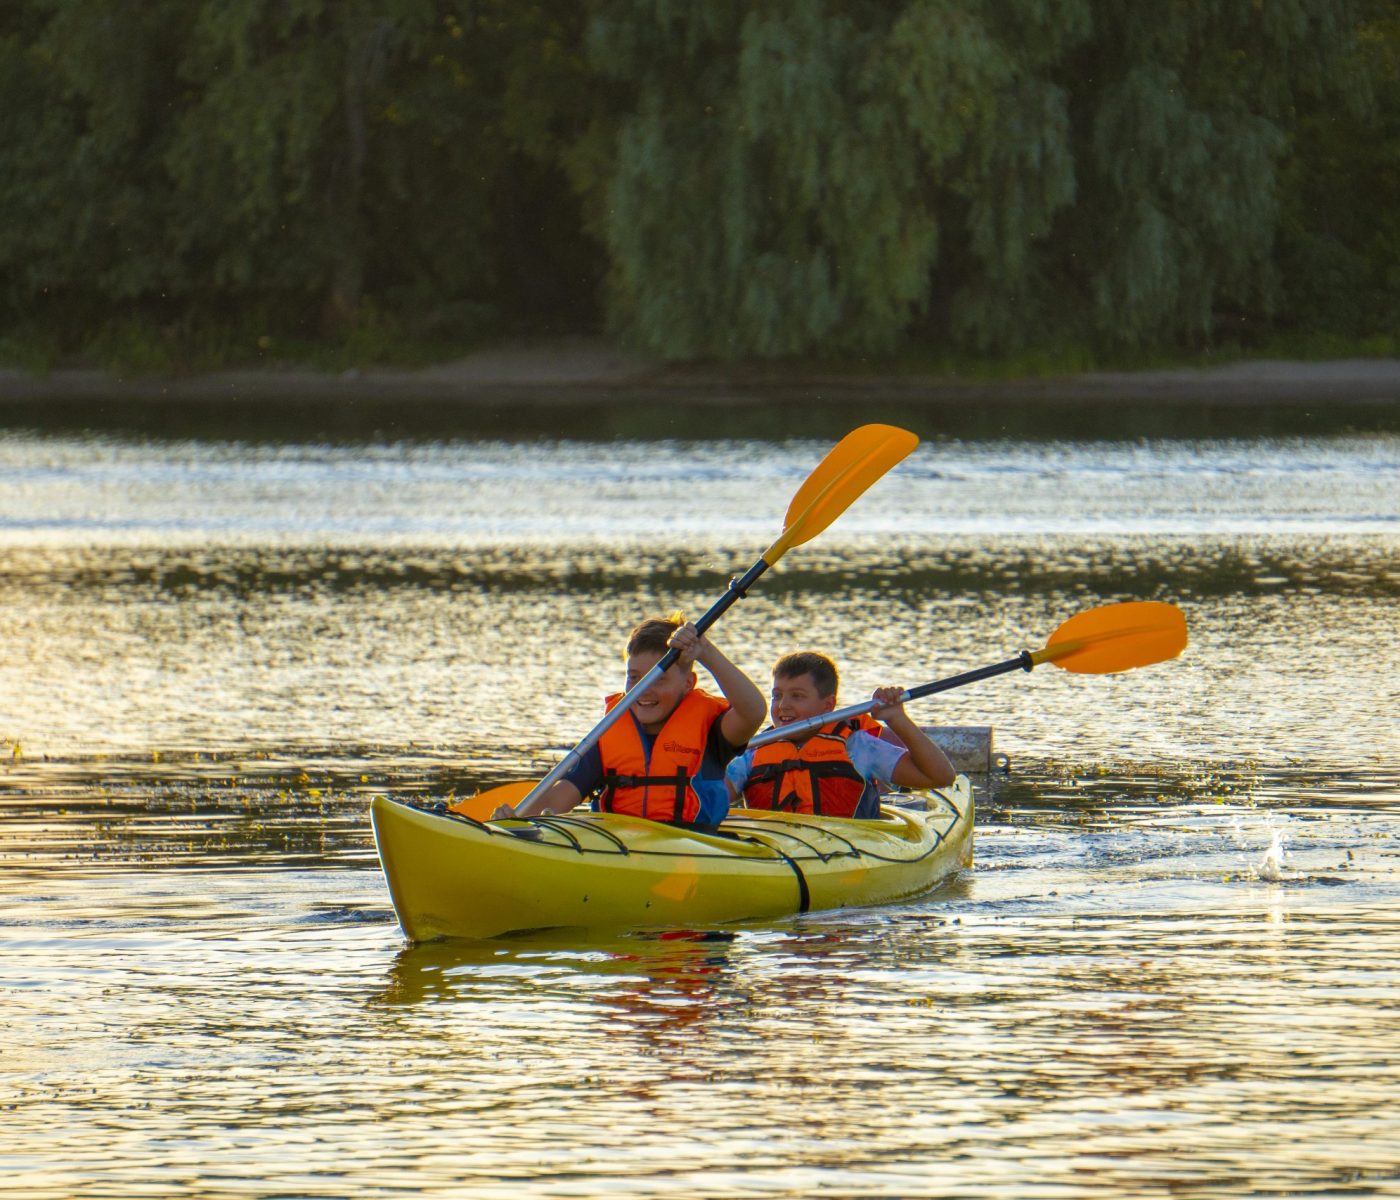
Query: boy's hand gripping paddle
{"x": 1102, "y": 641}
{"x": 850, "y": 467}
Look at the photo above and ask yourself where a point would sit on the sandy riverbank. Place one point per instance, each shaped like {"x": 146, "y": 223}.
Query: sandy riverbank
{"x": 590, "y": 371}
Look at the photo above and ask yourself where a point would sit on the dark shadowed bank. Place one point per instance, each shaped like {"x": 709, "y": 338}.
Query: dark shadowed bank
{"x": 590, "y": 389}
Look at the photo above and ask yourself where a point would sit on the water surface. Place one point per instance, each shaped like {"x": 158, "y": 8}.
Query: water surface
{"x": 1170, "y": 972}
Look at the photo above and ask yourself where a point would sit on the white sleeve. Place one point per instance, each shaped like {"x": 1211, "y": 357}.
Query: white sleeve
{"x": 873, "y": 758}
{"x": 736, "y": 774}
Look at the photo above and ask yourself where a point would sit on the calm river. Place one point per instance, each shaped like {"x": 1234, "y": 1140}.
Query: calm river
{"x": 1174, "y": 969}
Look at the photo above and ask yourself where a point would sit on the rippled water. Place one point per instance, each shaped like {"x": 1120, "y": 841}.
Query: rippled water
{"x": 1170, "y": 972}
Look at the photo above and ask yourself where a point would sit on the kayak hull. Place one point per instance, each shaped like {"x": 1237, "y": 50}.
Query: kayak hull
{"x": 450, "y": 876}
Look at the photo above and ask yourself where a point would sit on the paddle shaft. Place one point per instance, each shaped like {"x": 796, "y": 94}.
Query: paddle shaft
{"x": 851, "y": 466}
{"x": 736, "y": 590}
{"x": 1022, "y": 662}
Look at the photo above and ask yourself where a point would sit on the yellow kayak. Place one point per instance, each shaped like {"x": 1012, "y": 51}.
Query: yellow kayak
{"x": 451, "y": 876}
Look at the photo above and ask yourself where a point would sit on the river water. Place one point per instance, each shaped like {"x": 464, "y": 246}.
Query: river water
{"x": 1172, "y": 970}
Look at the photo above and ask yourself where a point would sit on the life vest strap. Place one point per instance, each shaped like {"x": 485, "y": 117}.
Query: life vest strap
{"x": 819, "y": 770}
{"x": 643, "y": 780}
{"x": 679, "y": 782}
{"x": 787, "y": 799}
{"x": 771, "y": 770}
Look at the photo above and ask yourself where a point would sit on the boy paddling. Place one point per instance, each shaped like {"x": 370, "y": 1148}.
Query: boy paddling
{"x": 664, "y": 759}
{"x": 833, "y": 771}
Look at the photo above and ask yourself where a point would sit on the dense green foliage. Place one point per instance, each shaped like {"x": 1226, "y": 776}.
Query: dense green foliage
{"x": 728, "y": 179}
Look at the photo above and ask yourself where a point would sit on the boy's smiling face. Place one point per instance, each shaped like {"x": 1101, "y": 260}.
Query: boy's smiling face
{"x": 795, "y": 698}
{"x": 659, "y": 700}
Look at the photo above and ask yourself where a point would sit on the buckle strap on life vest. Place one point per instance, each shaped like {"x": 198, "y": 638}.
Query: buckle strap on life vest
{"x": 679, "y": 782}
{"x": 817, "y": 770}
{"x": 792, "y": 801}
{"x": 777, "y": 773}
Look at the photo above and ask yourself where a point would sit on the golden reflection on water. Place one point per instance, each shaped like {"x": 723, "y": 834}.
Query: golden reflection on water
{"x": 209, "y": 1037}
{"x": 1113, "y": 1000}
{"x": 1170, "y": 972}
{"x": 265, "y": 652}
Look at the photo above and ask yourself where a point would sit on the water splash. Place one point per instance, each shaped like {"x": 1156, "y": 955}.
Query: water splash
{"x": 1271, "y": 868}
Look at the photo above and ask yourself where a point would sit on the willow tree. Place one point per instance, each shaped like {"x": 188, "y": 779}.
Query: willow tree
{"x": 85, "y": 86}
{"x": 286, "y": 164}
{"x": 371, "y": 146}
{"x": 1183, "y": 114}
{"x": 1339, "y": 241}
{"x": 780, "y": 178}
{"x": 830, "y": 174}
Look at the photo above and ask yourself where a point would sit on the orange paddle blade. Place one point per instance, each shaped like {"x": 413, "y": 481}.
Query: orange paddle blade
{"x": 483, "y": 804}
{"x": 849, "y": 468}
{"x": 1116, "y": 637}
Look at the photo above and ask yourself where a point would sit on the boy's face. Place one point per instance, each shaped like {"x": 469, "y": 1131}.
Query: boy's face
{"x": 795, "y": 698}
{"x": 659, "y": 700}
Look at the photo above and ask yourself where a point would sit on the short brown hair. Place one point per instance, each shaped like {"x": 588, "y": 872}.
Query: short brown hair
{"x": 808, "y": 662}
{"x": 653, "y": 634}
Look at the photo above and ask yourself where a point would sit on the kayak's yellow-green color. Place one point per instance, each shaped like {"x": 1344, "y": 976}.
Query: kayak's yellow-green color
{"x": 451, "y": 876}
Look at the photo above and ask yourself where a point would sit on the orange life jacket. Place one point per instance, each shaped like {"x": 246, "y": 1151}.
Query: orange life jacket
{"x": 657, "y": 785}
{"x": 813, "y": 776}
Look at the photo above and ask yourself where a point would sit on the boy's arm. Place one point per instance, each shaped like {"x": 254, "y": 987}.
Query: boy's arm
{"x": 747, "y": 708}
{"x": 923, "y": 764}
{"x": 582, "y": 779}
{"x": 560, "y": 798}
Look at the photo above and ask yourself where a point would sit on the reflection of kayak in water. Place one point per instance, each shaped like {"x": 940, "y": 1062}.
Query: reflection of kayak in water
{"x": 672, "y": 978}
{"x": 451, "y": 876}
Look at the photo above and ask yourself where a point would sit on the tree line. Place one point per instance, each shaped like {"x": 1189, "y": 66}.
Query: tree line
{"x": 731, "y": 179}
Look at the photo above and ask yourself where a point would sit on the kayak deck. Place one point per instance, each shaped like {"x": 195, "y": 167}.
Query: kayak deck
{"x": 451, "y": 876}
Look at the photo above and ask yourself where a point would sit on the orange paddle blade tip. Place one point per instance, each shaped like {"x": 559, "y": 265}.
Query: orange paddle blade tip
{"x": 848, "y": 469}
{"x": 1117, "y": 637}
{"x": 483, "y": 804}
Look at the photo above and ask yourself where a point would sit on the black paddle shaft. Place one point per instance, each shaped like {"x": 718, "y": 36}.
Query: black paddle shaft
{"x": 737, "y": 590}
{"x": 1022, "y": 662}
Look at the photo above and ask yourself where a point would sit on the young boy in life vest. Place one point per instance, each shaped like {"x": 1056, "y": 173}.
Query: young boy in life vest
{"x": 665, "y": 758}
{"x": 834, "y": 770}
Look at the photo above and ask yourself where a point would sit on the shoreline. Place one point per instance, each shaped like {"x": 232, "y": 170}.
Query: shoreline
{"x": 592, "y": 373}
